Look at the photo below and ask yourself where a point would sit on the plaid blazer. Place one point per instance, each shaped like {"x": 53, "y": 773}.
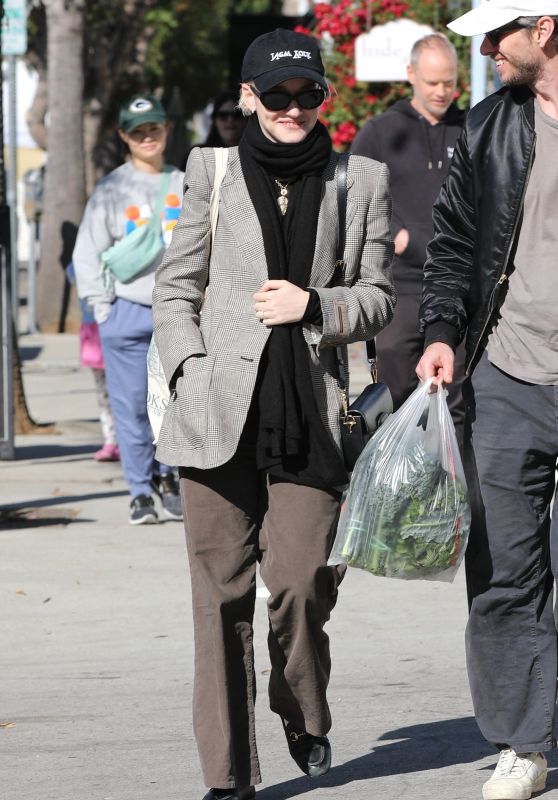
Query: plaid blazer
{"x": 209, "y": 338}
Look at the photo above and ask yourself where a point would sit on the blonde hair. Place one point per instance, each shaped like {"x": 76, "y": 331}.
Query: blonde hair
{"x": 241, "y": 105}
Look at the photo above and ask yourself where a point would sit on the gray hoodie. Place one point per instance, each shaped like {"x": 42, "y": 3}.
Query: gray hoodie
{"x": 121, "y": 200}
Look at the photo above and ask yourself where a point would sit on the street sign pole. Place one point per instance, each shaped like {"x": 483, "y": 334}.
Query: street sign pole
{"x": 12, "y": 183}
{"x": 7, "y": 450}
{"x": 14, "y": 44}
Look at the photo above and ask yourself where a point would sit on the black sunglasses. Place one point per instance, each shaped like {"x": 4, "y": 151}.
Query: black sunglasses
{"x": 495, "y": 35}
{"x": 277, "y": 100}
{"x": 235, "y": 114}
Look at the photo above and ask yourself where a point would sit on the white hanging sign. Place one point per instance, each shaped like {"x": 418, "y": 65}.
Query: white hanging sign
{"x": 14, "y": 28}
{"x": 383, "y": 53}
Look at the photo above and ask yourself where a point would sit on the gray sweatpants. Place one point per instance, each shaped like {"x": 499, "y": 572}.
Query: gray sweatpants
{"x": 511, "y": 450}
{"x": 234, "y": 517}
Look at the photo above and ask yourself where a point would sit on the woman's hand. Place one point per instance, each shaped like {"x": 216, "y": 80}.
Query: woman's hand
{"x": 437, "y": 362}
{"x": 280, "y": 302}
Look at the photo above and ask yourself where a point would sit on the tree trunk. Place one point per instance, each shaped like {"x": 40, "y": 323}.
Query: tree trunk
{"x": 92, "y": 125}
{"x": 64, "y": 197}
{"x": 23, "y": 421}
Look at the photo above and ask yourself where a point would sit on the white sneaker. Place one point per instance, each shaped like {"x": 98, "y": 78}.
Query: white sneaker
{"x": 516, "y": 777}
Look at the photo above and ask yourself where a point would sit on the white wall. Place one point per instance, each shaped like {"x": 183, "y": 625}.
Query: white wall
{"x": 295, "y": 8}
{"x": 26, "y": 83}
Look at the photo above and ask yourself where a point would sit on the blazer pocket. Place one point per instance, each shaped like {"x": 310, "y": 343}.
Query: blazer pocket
{"x": 190, "y": 400}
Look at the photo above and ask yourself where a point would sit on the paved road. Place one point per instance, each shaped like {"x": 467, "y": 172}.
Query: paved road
{"x": 96, "y": 643}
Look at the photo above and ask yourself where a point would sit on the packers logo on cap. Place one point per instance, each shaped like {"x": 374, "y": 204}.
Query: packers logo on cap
{"x": 140, "y": 105}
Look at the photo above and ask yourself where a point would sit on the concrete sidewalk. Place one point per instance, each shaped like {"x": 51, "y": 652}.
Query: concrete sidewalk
{"x": 96, "y": 642}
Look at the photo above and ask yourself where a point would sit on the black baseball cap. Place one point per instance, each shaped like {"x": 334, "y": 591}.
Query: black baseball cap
{"x": 280, "y": 55}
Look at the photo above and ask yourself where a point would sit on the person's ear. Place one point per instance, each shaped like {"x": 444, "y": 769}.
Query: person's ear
{"x": 411, "y": 74}
{"x": 123, "y": 136}
{"x": 545, "y": 29}
{"x": 248, "y": 97}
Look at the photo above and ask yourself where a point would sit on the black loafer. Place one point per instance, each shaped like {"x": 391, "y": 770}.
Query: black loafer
{"x": 311, "y": 753}
{"x": 247, "y": 793}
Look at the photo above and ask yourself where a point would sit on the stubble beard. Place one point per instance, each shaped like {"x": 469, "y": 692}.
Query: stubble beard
{"x": 438, "y": 112}
{"x": 526, "y": 73}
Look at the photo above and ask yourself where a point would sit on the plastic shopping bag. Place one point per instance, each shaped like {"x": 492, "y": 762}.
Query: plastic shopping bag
{"x": 157, "y": 390}
{"x": 407, "y": 514}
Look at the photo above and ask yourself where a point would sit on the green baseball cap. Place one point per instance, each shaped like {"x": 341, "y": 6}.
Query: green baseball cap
{"x": 140, "y": 109}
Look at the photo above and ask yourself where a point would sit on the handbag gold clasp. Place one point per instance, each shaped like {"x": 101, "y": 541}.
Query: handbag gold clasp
{"x": 349, "y": 422}
{"x": 346, "y": 419}
{"x": 340, "y": 264}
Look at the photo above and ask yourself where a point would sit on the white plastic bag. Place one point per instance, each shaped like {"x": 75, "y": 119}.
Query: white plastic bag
{"x": 157, "y": 390}
{"x": 407, "y": 514}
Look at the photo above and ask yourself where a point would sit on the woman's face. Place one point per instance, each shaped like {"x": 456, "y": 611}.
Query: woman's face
{"x": 290, "y": 125}
{"x": 147, "y": 142}
{"x": 229, "y": 123}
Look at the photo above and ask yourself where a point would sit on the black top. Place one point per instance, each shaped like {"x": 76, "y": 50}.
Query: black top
{"x": 418, "y": 155}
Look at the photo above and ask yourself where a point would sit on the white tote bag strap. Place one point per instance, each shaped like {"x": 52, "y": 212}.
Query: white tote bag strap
{"x": 157, "y": 389}
{"x": 221, "y": 158}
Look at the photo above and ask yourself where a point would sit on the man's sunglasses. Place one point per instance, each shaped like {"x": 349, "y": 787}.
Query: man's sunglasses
{"x": 223, "y": 115}
{"x": 277, "y": 100}
{"x": 495, "y": 35}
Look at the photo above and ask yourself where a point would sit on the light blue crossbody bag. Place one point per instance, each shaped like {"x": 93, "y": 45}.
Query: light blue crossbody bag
{"x": 136, "y": 251}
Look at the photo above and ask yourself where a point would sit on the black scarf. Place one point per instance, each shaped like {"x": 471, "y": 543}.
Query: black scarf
{"x": 292, "y": 441}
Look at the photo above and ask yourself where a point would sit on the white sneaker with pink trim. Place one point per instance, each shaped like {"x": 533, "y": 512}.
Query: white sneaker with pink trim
{"x": 516, "y": 777}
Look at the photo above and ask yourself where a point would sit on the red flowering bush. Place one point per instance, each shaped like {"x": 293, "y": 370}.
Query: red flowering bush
{"x": 336, "y": 25}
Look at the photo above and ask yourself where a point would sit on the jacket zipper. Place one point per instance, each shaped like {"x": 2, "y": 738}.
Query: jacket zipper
{"x": 503, "y": 277}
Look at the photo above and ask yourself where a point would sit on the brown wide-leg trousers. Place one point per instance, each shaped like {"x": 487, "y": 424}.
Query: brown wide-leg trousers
{"x": 233, "y": 517}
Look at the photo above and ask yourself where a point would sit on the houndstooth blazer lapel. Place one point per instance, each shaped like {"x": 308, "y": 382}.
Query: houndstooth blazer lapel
{"x": 238, "y": 207}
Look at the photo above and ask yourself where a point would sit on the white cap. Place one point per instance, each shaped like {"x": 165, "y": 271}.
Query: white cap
{"x": 492, "y": 14}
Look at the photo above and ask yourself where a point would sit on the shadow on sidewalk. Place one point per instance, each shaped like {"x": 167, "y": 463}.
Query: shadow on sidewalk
{"x": 62, "y": 499}
{"x": 30, "y": 353}
{"x": 49, "y": 511}
{"x": 418, "y": 748}
{"x": 54, "y": 450}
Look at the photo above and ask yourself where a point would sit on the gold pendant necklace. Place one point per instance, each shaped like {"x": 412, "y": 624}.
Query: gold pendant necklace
{"x": 282, "y": 200}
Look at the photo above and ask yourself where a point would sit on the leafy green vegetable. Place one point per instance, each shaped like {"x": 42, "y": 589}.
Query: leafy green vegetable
{"x": 413, "y": 524}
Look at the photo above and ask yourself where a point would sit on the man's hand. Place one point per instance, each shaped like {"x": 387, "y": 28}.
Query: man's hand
{"x": 280, "y": 302}
{"x": 436, "y": 362}
{"x": 401, "y": 241}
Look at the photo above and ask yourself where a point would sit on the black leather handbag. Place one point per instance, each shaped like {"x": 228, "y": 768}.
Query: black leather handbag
{"x": 360, "y": 419}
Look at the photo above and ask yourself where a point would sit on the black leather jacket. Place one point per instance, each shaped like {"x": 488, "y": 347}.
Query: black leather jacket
{"x": 476, "y": 218}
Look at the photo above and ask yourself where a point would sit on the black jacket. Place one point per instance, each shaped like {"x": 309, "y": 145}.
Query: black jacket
{"x": 418, "y": 156}
{"x": 476, "y": 218}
